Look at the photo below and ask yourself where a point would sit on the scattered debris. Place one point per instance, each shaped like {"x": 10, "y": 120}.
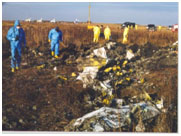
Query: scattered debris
{"x": 103, "y": 88}
{"x": 107, "y": 119}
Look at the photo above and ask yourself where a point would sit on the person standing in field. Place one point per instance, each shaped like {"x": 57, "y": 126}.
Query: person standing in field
{"x": 16, "y": 36}
{"x": 107, "y": 33}
{"x": 96, "y": 30}
{"x": 54, "y": 37}
{"x": 125, "y": 35}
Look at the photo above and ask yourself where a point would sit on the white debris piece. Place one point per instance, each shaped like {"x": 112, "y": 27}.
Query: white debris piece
{"x": 106, "y": 87}
{"x": 110, "y": 44}
{"x": 160, "y": 105}
{"x": 116, "y": 118}
{"x": 129, "y": 55}
{"x": 88, "y": 75}
{"x": 90, "y": 72}
{"x": 101, "y": 52}
{"x": 41, "y": 54}
{"x": 175, "y": 43}
{"x": 79, "y": 121}
{"x": 98, "y": 128}
{"x": 119, "y": 102}
{"x": 24, "y": 64}
{"x": 55, "y": 68}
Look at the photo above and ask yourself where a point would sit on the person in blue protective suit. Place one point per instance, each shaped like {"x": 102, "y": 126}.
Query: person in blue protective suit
{"x": 54, "y": 36}
{"x": 16, "y": 36}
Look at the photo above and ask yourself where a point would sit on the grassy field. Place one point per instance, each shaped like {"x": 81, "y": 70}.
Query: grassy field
{"x": 37, "y": 34}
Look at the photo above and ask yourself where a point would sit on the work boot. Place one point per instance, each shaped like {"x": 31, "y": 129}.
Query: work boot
{"x": 56, "y": 57}
{"x": 53, "y": 53}
{"x": 12, "y": 70}
{"x": 17, "y": 68}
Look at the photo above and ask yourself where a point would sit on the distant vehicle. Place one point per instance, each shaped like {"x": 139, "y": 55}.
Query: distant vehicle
{"x": 40, "y": 20}
{"x": 28, "y": 20}
{"x": 128, "y": 24}
{"x": 175, "y": 28}
{"x": 170, "y": 27}
{"x": 53, "y": 20}
{"x": 76, "y": 21}
{"x": 151, "y": 27}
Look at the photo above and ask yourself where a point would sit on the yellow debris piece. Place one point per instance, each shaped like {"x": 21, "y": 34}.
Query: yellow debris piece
{"x": 69, "y": 62}
{"x": 96, "y": 63}
{"x": 131, "y": 70}
{"x": 103, "y": 62}
{"x": 106, "y": 101}
{"x": 120, "y": 82}
{"x": 119, "y": 73}
{"x": 108, "y": 69}
{"x": 114, "y": 68}
{"x": 73, "y": 74}
{"x": 41, "y": 66}
{"x": 61, "y": 77}
{"x": 104, "y": 93}
{"x": 128, "y": 79}
{"x": 147, "y": 96}
{"x": 91, "y": 59}
{"x": 142, "y": 81}
{"x": 118, "y": 67}
{"x": 111, "y": 97}
{"x": 130, "y": 50}
{"x": 125, "y": 62}
{"x": 158, "y": 102}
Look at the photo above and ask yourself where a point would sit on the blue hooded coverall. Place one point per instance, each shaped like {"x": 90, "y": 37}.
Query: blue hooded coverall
{"x": 55, "y": 37}
{"x": 16, "y": 43}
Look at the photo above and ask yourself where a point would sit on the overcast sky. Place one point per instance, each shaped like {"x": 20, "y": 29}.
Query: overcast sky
{"x": 159, "y": 13}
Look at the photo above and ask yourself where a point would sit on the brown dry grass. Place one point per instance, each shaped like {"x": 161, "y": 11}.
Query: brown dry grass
{"x": 37, "y": 34}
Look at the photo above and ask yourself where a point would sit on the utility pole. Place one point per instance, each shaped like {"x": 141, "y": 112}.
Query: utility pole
{"x": 89, "y": 21}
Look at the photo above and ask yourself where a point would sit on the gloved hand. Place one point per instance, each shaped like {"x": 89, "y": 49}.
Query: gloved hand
{"x": 49, "y": 40}
{"x": 17, "y": 38}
